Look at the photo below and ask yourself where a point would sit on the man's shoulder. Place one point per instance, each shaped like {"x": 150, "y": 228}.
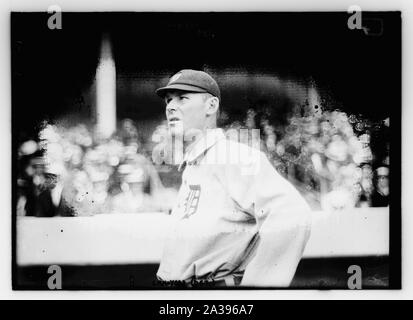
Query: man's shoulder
{"x": 241, "y": 148}
{"x": 230, "y": 152}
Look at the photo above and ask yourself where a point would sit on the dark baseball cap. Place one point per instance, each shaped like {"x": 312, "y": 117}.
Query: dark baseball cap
{"x": 191, "y": 81}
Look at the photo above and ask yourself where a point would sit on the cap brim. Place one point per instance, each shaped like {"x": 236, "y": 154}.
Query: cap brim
{"x": 183, "y": 87}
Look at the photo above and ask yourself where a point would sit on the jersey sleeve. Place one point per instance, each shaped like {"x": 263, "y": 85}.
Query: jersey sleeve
{"x": 282, "y": 217}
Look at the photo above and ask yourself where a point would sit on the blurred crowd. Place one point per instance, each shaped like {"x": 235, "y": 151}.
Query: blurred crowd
{"x": 327, "y": 155}
{"x": 72, "y": 171}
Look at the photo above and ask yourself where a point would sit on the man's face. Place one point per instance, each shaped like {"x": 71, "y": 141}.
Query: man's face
{"x": 185, "y": 111}
{"x": 50, "y": 180}
{"x": 382, "y": 182}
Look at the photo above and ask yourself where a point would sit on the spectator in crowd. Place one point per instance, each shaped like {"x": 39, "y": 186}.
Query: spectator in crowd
{"x": 30, "y": 184}
{"x": 133, "y": 199}
{"x": 79, "y": 192}
{"x": 100, "y": 200}
{"x": 50, "y": 202}
{"x": 366, "y": 184}
{"x": 128, "y": 132}
{"x": 380, "y": 197}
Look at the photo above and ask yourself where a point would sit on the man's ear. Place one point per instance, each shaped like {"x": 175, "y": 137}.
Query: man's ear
{"x": 212, "y": 105}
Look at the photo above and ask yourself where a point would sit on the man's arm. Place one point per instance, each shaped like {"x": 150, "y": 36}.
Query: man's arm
{"x": 284, "y": 222}
{"x": 278, "y": 253}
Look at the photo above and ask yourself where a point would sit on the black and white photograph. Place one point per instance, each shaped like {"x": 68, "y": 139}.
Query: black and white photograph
{"x": 206, "y": 150}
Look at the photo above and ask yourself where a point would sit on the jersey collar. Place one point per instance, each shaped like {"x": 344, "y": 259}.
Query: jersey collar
{"x": 209, "y": 139}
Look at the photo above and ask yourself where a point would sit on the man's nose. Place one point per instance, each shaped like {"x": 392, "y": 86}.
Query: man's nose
{"x": 171, "y": 108}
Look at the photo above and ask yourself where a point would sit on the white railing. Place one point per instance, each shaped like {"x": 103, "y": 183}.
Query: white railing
{"x": 138, "y": 238}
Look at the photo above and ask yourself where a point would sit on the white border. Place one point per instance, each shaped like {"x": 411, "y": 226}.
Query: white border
{"x": 212, "y": 5}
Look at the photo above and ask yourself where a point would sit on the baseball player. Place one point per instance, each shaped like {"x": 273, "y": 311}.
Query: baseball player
{"x": 236, "y": 222}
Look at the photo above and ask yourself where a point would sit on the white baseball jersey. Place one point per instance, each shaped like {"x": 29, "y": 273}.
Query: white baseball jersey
{"x": 229, "y": 190}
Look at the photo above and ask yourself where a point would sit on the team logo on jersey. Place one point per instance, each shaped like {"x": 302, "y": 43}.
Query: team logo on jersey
{"x": 192, "y": 200}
